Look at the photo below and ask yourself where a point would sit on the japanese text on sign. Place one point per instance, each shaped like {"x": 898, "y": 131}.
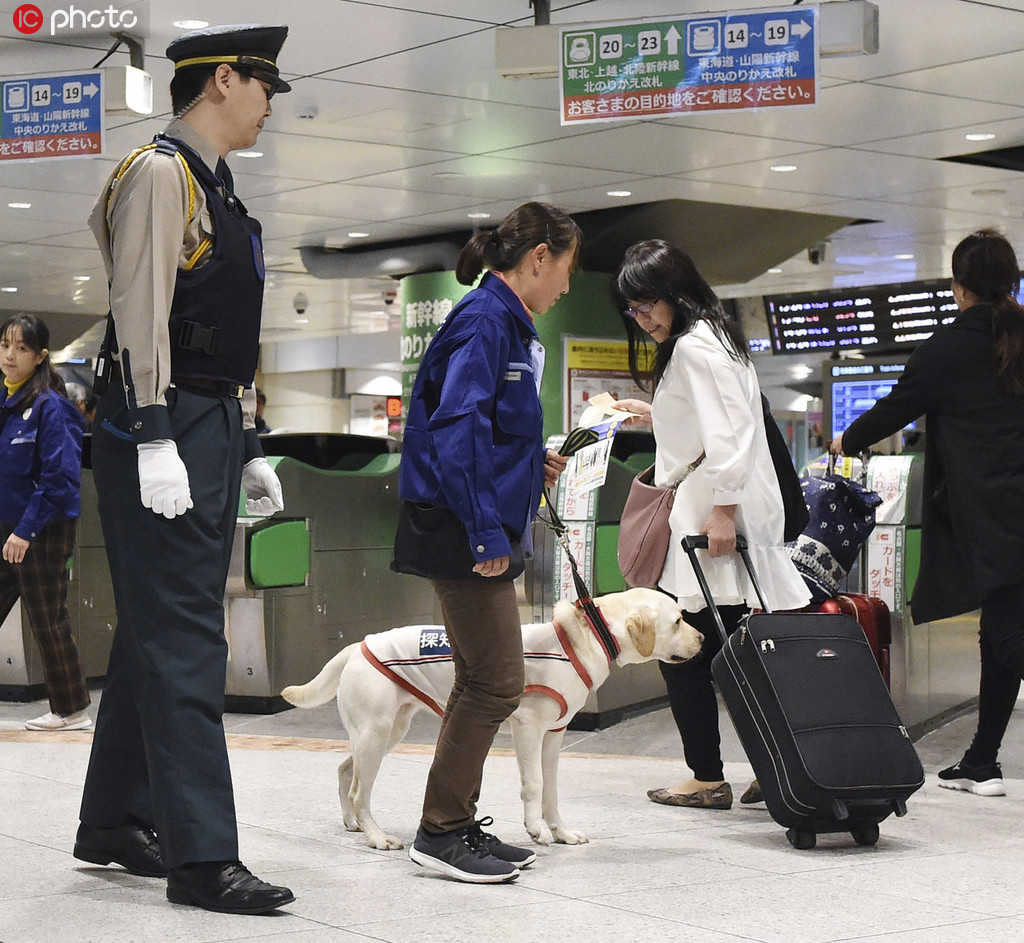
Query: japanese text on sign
{"x": 748, "y": 59}
{"x": 50, "y": 116}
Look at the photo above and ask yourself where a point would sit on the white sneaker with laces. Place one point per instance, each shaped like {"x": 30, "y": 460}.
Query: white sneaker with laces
{"x": 80, "y": 720}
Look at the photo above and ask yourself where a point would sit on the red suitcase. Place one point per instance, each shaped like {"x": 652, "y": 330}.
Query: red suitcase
{"x": 872, "y": 614}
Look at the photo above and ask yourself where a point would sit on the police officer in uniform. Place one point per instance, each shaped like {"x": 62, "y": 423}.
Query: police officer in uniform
{"x": 174, "y": 440}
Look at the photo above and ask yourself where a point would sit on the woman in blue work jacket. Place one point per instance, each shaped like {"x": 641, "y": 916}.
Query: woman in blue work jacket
{"x": 40, "y": 476}
{"x": 473, "y": 469}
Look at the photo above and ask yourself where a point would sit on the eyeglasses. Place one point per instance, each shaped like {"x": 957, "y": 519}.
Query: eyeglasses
{"x": 640, "y": 309}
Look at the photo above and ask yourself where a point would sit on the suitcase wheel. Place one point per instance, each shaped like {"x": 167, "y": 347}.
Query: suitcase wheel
{"x": 865, "y": 833}
{"x": 804, "y": 838}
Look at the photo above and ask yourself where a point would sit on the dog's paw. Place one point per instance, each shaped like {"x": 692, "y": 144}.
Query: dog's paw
{"x": 566, "y": 836}
{"x": 540, "y": 834}
{"x": 384, "y": 842}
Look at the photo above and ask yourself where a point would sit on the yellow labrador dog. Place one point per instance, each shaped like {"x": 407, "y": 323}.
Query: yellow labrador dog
{"x": 382, "y": 682}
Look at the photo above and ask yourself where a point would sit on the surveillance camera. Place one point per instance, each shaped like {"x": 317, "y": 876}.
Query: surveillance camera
{"x": 306, "y": 110}
{"x": 816, "y": 253}
{"x": 300, "y": 302}
{"x": 389, "y": 296}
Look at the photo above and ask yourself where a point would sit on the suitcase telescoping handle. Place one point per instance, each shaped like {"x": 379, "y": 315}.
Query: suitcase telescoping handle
{"x": 700, "y": 542}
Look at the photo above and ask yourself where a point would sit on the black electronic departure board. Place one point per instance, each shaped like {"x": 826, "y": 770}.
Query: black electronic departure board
{"x": 873, "y": 319}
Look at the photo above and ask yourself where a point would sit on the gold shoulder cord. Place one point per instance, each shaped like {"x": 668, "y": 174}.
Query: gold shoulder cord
{"x": 129, "y": 160}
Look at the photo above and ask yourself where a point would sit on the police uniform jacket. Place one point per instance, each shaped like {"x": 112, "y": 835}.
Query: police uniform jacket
{"x": 40, "y": 460}
{"x": 973, "y": 502}
{"x": 473, "y": 438}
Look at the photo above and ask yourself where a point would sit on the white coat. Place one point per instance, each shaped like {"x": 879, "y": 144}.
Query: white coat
{"x": 709, "y": 402}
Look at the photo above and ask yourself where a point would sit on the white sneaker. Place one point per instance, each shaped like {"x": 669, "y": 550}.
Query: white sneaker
{"x": 80, "y": 720}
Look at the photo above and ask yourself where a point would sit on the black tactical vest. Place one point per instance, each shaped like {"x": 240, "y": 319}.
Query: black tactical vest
{"x": 216, "y": 310}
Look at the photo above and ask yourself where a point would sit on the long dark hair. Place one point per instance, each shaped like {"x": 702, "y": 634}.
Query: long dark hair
{"x": 36, "y": 336}
{"x": 527, "y": 226}
{"x": 656, "y": 270}
{"x": 986, "y": 265}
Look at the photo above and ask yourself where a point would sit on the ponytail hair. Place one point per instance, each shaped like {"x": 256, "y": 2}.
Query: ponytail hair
{"x": 986, "y": 265}
{"x": 526, "y": 227}
{"x": 36, "y": 336}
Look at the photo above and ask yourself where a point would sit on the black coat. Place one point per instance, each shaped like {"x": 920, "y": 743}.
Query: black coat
{"x": 972, "y": 525}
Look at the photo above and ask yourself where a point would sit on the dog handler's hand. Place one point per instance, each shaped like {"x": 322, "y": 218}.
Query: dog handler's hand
{"x": 494, "y": 567}
{"x": 836, "y": 445}
{"x": 554, "y": 465}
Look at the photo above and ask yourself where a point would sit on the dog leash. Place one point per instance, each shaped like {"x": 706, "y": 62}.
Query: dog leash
{"x": 576, "y": 440}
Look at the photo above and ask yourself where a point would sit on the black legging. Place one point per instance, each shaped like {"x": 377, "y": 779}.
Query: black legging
{"x": 1002, "y": 667}
{"x": 691, "y": 695}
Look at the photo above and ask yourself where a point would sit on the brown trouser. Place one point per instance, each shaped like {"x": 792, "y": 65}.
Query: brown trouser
{"x": 41, "y": 580}
{"x": 482, "y": 619}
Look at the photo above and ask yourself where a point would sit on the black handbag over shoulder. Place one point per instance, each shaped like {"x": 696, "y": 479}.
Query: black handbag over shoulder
{"x": 797, "y": 515}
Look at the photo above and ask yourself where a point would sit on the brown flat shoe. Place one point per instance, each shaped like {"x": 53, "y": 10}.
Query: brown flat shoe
{"x": 718, "y": 798}
{"x": 753, "y": 794}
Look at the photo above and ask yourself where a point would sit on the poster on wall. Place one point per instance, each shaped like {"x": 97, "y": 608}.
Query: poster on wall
{"x": 595, "y": 366}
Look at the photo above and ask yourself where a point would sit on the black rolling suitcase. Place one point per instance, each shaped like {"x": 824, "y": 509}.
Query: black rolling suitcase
{"x": 814, "y": 717}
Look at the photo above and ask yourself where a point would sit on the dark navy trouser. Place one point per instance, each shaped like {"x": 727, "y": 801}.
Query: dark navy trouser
{"x": 159, "y": 755}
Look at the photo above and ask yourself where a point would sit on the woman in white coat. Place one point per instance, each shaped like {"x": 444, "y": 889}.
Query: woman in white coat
{"x": 710, "y": 436}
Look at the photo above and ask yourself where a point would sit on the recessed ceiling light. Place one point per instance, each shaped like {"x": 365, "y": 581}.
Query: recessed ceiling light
{"x": 249, "y": 154}
{"x": 980, "y": 136}
{"x": 20, "y": 206}
{"x": 82, "y": 278}
{"x": 479, "y": 215}
{"x": 620, "y": 193}
{"x": 302, "y": 320}
{"x": 783, "y": 168}
{"x": 359, "y": 235}
{"x": 9, "y": 288}
{"x": 903, "y": 256}
{"x": 190, "y": 24}
{"x": 774, "y": 271}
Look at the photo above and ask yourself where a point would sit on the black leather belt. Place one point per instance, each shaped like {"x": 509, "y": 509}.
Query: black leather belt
{"x": 205, "y": 387}
{"x": 198, "y": 385}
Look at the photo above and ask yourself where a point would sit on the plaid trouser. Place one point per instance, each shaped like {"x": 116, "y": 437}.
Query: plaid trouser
{"x": 41, "y": 580}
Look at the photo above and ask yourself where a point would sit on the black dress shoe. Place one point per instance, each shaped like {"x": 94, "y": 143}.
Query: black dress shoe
{"x": 227, "y": 887}
{"x": 132, "y": 846}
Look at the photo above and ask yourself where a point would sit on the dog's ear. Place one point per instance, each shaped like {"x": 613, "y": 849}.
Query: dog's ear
{"x": 640, "y": 626}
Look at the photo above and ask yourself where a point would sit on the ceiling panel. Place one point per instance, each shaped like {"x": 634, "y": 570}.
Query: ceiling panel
{"x": 414, "y": 129}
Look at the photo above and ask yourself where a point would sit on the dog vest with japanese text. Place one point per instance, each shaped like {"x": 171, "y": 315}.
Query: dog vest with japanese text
{"x": 418, "y": 658}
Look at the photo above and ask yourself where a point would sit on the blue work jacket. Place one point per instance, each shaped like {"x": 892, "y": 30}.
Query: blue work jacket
{"x": 40, "y": 460}
{"x": 473, "y": 440}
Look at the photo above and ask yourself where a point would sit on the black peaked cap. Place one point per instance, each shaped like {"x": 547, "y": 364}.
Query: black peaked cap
{"x": 247, "y": 44}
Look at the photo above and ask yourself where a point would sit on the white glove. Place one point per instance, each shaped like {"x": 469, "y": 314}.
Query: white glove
{"x": 262, "y": 488}
{"x": 163, "y": 478}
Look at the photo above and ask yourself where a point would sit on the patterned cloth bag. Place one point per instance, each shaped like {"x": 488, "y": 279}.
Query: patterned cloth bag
{"x": 842, "y": 515}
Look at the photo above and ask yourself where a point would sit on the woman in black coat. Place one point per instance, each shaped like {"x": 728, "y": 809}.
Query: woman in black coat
{"x": 968, "y": 380}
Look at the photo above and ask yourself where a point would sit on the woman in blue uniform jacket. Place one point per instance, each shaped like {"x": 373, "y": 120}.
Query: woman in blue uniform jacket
{"x": 968, "y": 380}
{"x": 472, "y": 473}
{"x": 40, "y": 476}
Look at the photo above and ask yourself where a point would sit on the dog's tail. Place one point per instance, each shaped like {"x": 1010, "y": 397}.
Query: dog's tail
{"x": 324, "y": 686}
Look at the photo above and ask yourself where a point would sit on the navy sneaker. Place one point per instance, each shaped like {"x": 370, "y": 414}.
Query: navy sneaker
{"x": 461, "y": 854}
{"x": 986, "y": 780}
{"x": 520, "y": 857}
